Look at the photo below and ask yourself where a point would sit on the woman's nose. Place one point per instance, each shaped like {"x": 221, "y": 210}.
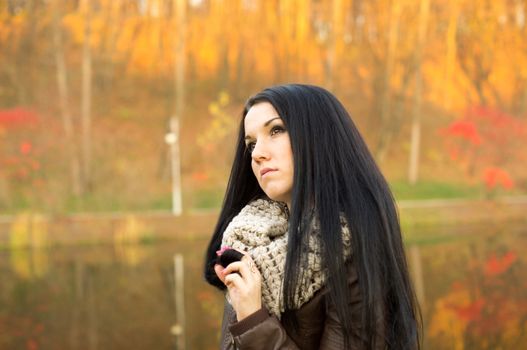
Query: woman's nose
{"x": 259, "y": 151}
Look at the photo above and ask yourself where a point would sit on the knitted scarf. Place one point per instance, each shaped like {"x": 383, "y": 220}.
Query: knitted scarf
{"x": 261, "y": 229}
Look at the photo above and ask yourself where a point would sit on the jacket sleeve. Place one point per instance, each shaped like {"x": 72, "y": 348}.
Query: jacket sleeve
{"x": 261, "y": 330}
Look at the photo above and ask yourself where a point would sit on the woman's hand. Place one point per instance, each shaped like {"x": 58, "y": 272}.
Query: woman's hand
{"x": 244, "y": 285}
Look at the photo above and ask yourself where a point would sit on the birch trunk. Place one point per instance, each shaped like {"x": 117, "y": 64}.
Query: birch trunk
{"x": 86, "y": 97}
{"x": 393, "y": 37}
{"x": 179, "y": 97}
{"x": 450, "y": 52}
{"x": 415, "y": 141}
{"x": 67, "y": 119}
{"x": 333, "y": 44}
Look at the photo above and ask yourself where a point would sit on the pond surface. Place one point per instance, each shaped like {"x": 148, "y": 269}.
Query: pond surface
{"x": 472, "y": 286}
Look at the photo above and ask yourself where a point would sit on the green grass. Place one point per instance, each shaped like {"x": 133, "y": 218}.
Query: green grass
{"x": 208, "y": 198}
{"x": 212, "y": 197}
{"x": 402, "y": 190}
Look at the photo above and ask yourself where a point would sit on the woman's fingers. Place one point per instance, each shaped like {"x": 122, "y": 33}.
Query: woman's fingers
{"x": 219, "y": 272}
{"x": 250, "y": 263}
{"x": 246, "y": 268}
{"x": 243, "y": 280}
{"x": 234, "y": 280}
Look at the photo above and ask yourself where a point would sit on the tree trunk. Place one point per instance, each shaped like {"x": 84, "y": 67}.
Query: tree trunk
{"x": 393, "y": 37}
{"x": 333, "y": 43}
{"x": 179, "y": 97}
{"x": 67, "y": 119}
{"x": 415, "y": 141}
{"x": 451, "y": 54}
{"x": 86, "y": 97}
{"x": 302, "y": 37}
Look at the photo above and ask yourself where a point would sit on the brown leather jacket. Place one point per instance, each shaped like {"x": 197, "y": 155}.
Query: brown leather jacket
{"x": 319, "y": 327}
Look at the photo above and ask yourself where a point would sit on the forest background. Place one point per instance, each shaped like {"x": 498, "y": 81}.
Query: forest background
{"x": 88, "y": 88}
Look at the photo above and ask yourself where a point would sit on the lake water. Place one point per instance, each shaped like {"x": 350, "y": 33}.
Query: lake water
{"x": 472, "y": 285}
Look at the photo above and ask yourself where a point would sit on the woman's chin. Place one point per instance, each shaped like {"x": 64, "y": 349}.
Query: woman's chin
{"x": 277, "y": 197}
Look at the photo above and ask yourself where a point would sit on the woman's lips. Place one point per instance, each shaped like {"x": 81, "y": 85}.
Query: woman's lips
{"x": 265, "y": 171}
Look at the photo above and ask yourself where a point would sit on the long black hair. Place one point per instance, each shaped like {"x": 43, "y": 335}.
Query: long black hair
{"x": 334, "y": 173}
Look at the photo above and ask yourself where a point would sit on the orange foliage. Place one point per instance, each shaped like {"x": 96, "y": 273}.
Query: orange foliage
{"x": 496, "y": 266}
{"x": 200, "y": 176}
{"x": 468, "y": 312}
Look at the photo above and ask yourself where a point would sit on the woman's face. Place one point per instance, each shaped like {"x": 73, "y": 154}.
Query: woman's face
{"x": 272, "y": 159}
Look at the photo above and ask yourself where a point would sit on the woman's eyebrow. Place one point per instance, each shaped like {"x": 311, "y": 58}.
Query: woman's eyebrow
{"x": 248, "y": 137}
{"x": 270, "y": 120}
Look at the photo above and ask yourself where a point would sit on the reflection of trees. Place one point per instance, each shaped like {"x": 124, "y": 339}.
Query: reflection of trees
{"x": 485, "y": 308}
{"x": 127, "y": 241}
{"x": 28, "y": 246}
{"x": 93, "y": 299}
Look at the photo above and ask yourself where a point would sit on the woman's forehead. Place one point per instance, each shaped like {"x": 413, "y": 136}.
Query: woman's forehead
{"x": 260, "y": 115}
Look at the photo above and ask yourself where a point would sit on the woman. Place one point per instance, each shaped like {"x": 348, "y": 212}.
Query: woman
{"x": 324, "y": 265}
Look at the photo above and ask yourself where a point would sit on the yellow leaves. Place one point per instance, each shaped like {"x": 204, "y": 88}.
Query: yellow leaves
{"x": 223, "y": 99}
{"x": 127, "y": 35}
{"x": 206, "y": 52}
{"x": 12, "y": 26}
{"x": 74, "y": 23}
{"x": 150, "y": 43}
{"x": 220, "y": 125}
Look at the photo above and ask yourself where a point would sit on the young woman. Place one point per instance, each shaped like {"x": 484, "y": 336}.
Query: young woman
{"x": 324, "y": 265}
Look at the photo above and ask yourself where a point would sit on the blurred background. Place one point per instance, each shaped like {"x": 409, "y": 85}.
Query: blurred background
{"x": 117, "y": 128}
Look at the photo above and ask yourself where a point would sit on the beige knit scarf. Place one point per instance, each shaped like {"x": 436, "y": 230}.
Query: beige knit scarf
{"x": 261, "y": 230}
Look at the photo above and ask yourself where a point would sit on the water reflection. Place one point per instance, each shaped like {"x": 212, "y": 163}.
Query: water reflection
{"x": 28, "y": 238}
{"x": 127, "y": 238}
{"x": 477, "y": 293}
{"x": 121, "y": 295}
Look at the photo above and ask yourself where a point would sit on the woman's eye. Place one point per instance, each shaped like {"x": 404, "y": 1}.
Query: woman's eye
{"x": 276, "y": 130}
{"x": 250, "y": 146}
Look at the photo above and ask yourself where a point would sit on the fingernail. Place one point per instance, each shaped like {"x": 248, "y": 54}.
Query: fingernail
{"x": 224, "y": 248}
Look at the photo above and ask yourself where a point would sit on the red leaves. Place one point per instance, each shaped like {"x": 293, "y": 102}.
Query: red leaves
{"x": 464, "y": 129}
{"x": 497, "y": 120}
{"x": 494, "y": 177}
{"x": 18, "y": 117}
{"x": 470, "y": 312}
{"x": 31, "y": 344}
{"x": 496, "y": 266}
{"x": 485, "y": 142}
{"x": 25, "y": 147}
{"x": 20, "y": 156}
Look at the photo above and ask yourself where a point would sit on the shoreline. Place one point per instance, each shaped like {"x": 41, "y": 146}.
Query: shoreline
{"x": 417, "y": 218}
